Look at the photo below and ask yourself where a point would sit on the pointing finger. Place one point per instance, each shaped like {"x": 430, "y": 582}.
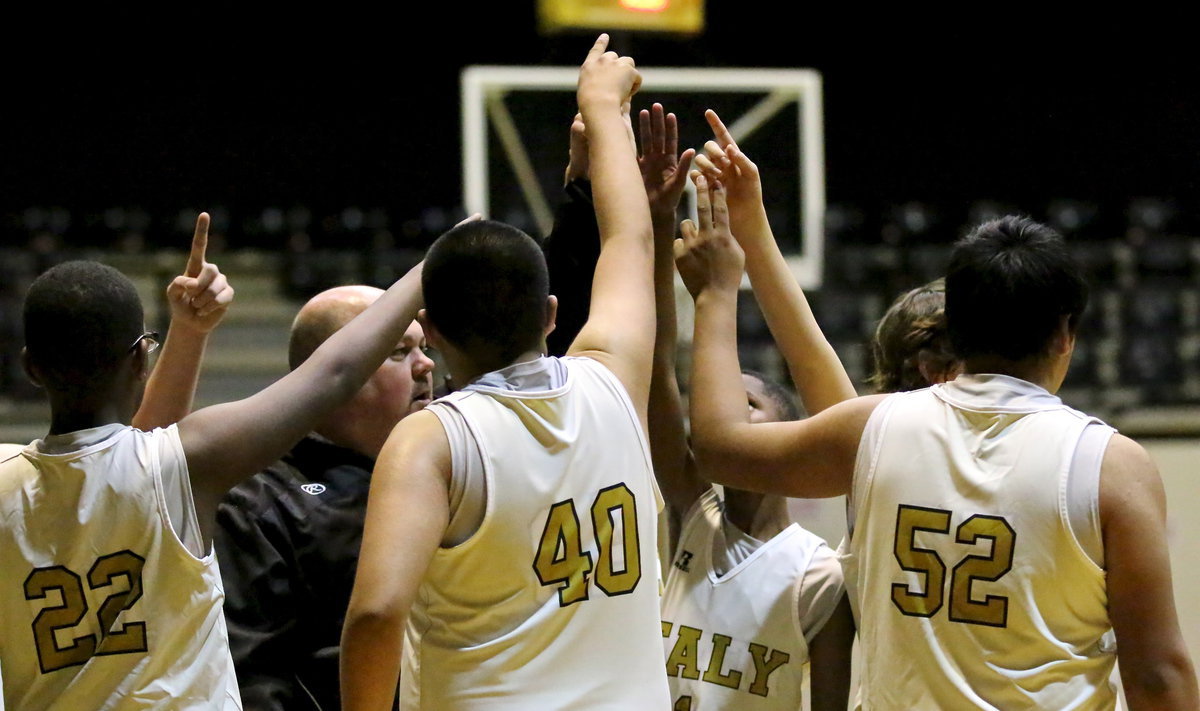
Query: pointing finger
{"x": 598, "y": 48}
{"x": 199, "y": 246}
{"x": 722, "y": 134}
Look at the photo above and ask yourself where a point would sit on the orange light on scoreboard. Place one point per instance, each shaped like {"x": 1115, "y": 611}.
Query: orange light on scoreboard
{"x": 674, "y": 16}
{"x": 646, "y": 5}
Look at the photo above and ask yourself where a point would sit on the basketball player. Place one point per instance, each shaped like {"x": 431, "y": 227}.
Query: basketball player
{"x": 288, "y": 537}
{"x": 108, "y": 599}
{"x": 510, "y": 542}
{"x": 749, "y": 593}
{"x": 996, "y": 535}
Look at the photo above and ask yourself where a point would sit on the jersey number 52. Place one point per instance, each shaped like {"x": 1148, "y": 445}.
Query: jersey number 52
{"x": 561, "y": 559}
{"x": 993, "y": 610}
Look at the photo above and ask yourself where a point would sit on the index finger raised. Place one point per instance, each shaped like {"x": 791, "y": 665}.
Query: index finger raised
{"x": 600, "y": 46}
{"x": 720, "y": 132}
{"x": 199, "y": 246}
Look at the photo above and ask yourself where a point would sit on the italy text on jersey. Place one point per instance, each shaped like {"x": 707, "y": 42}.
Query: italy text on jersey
{"x": 684, "y": 660}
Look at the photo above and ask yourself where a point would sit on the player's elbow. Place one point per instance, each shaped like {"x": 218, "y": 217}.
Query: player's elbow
{"x": 1167, "y": 682}
{"x": 716, "y": 459}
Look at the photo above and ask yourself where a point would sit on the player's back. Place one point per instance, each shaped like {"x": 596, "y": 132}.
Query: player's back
{"x": 101, "y": 604}
{"x": 553, "y": 601}
{"x": 966, "y": 567}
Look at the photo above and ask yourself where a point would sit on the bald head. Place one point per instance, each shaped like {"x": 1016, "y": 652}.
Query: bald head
{"x": 323, "y": 315}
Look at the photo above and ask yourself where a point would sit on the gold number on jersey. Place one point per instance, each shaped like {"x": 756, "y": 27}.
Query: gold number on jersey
{"x": 993, "y": 611}
{"x": 919, "y": 560}
{"x": 560, "y": 557}
{"x": 51, "y": 655}
{"x": 130, "y": 637}
{"x": 683, "y": 703}
{"x": 616, "y": 499}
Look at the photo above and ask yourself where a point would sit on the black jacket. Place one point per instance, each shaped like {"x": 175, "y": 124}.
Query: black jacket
{"x": 287, "y": 540}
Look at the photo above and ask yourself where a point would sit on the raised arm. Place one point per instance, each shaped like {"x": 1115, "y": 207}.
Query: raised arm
{"x": 620, "y": 328}
{"x": 226, "y": 443}
{"x": 572, "y": 246}
{"x": 664, "y": 174}
{"x": 409, "y": 502}
{"x": 811, "y": 458}
{"x": 815, "y": 368}
{"x": 198, "y": 299}
{"x": 1155, "y": 669}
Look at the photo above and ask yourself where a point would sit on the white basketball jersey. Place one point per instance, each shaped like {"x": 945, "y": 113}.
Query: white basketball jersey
{"x": 101, "y": 606}
{"x": 735, "y": 641}
{"x": 553, "y": 602}
{"x": 970, "y": 588}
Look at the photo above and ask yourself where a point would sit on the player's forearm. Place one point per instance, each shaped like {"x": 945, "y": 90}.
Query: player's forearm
{"x": 370, "y": 660}
{"x": 172, "y": 385}
{"x": 812, "y": 362}
{"x": 718, "y": 400}
{"x": 668, "y": 441}
{"x": 622, "y": 210}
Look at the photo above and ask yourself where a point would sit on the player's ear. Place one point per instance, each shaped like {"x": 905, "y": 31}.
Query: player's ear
{"x": 140, "y": 363}
{"x": 30, "y": 368}
{"x": 432, "y": 335}
{"x": 1062, "y": 341}
{"x": 551, "y": 315}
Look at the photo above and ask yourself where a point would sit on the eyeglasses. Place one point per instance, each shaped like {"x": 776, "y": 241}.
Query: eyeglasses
{"x": 152, "y": 341}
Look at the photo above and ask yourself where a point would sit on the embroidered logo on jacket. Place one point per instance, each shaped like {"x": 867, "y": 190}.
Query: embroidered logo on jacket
{"x": 313, "y": 489}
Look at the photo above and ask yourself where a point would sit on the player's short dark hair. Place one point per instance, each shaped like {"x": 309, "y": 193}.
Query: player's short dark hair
{"x": 485, "y": 286}
{"x": 80, "y": 319}
{"x": 913, "y": 325}
{"x": 1009, "y": 284}
{"x": 785, "y": 403}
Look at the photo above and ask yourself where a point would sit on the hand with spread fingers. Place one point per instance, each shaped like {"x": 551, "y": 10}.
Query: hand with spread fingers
{"x": 201, "y": 295}
{"x": 664, "y": 169}
{"x": 707, "y": 256}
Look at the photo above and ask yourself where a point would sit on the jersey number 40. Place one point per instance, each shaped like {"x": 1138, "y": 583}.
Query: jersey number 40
{"x": 561, "y": 559}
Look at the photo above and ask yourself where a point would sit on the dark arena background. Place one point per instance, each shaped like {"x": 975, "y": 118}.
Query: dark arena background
{"x": 327, "y": 147}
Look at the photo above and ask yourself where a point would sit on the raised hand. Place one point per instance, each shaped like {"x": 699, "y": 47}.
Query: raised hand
{"x": 723, "y": 160}
{"x": 201, "y": 295}
{"x": 606, "y": 77}
{"x": 577, "y": 155}
{"x": 664, "y": 170}
{"x": 706, "y": 255}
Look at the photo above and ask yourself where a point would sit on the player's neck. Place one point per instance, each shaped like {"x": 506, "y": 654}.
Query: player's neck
{"x": 77, "y": 416}
{"x": 464, "y": 371}
{"x": 1033, "y": 370}
{"x": 759, "y": 515}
